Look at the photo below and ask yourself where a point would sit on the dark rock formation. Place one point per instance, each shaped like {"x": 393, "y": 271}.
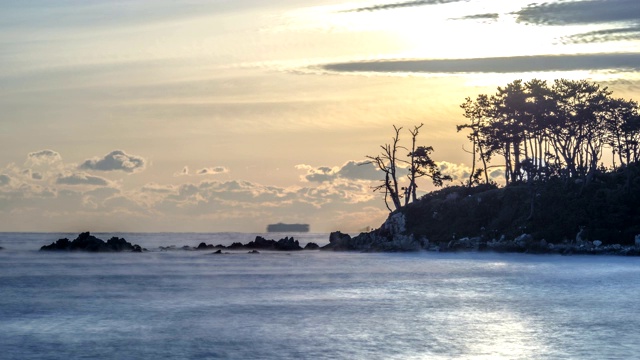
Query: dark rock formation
{"x": 259, "y": 243}
{"x": 391, "y": 237}
{"x": 204, "y": 246}
{"x": 286, "y": 244}
{"x": 311, "y": 246}
{"x": 235, "y": 246}
{"x": 339, "y": 242}
{"x": 87, "y": 242}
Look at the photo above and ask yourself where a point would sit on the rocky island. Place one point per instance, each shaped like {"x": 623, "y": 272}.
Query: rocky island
{"x": 87, "y": 242}
{"x": 260, "y": 243}
{"x": 567, "y": 154}
{"x": 601, "y": 217}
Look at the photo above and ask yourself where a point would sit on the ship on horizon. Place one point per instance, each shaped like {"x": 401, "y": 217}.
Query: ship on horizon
{"x": 281, "y": 227}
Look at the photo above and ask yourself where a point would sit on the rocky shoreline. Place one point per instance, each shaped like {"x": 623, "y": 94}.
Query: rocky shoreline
{"x": 392, "y": 236}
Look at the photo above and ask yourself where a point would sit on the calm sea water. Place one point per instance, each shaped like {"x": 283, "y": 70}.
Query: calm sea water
{"x": 312, "y": 304}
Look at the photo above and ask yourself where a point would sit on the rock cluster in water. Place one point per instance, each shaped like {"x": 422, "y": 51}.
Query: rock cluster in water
{"x": 87, "y": 242}
{"x": 390, "y": 237}
{"x": 260, "y": 243}
{"x": 393, "y": 236}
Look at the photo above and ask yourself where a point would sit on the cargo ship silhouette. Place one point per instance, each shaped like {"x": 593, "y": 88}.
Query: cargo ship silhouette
{"x": 281, "y": 227}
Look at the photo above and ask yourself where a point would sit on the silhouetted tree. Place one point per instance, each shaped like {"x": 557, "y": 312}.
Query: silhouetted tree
{"x": 478, "y": 114}
{"x": 542, "y": 131}
{"x": 387, "y": 162}
{"x": 419, "y": 165}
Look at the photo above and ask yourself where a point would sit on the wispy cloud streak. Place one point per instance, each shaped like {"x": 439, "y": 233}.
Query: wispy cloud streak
{"x": 618, "y": 34}
{"x": 404, "y": 4}
{"x": 622, "y": 15}
{"x": 580, "y": 12}
{"x": 607, "y": 61}
{"x": 485, "y": 17}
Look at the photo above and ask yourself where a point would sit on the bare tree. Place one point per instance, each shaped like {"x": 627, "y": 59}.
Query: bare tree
{"x": 387, "y": 162}
{"x": 419, "y": 165}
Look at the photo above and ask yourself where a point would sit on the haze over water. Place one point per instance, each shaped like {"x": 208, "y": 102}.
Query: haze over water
{"x": 311, "y": 304}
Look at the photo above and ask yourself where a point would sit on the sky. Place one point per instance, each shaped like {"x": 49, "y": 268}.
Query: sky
{"x": 228, "y": 115}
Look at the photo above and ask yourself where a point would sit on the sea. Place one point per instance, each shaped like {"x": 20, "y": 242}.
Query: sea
{"x": 186, "y": 304}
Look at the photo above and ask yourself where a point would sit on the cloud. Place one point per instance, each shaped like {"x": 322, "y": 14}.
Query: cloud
{"x": 458, "y": 172}
{"x": 183, "y": 172}
{"x": 158, "y": 188}
{"x": 32, "y": 175}
{"x": 405, "y": 4}
{"x": 351, "y": 170}
{"x": 497, "y": 174}
{"x": 622, "y": 15}
{"x": 213, "y": 170}
{"x": 598, "y": 36}
{"x": 78, "y": 198}
{"x": 515, "y": 64}
{"x": 43, "y": 157}
{"x": 461, "y": 172}
{"x": 81, "y": 179}
{"x": 4, "y": 179}
{"x": 580, "y": 12}
{"x": 486, "y": 17}
{"x": 114, "y": 161}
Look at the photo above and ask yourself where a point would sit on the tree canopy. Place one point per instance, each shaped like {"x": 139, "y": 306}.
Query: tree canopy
{"x": 561, "y": 130}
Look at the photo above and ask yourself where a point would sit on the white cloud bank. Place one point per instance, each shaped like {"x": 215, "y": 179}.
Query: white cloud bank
{"x": 70, "y": 199}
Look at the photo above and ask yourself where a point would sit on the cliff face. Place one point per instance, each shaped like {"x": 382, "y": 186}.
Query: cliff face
{"x": 558, "y": 217}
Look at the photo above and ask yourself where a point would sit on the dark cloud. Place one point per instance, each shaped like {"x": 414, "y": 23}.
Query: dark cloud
{"x": 619, "y": 34}
{"x": 515, "y": 64}
{"x": 157, "y": 188}
{"x": 103, "y": 192}
{"x": 404, "y": 4}
{"x": 31, "y": 174}
{"x": 622, "y": 15}
{"x": 213, "y": 171}
{"x": 115, "y": 160}
{"x": 4, "y": 179}
{"x": 488, "y": 16}
{"x": 184, "y": 172}
{"x": 581, "y": 12}
{"x": 351, "y": 170}
{"x": 81, "y": 179}
{"x": 498, "y": 173}
{"x": 358, "y": 170}
{"x": 319, "y": 174}
{"x": 43, "y": 157}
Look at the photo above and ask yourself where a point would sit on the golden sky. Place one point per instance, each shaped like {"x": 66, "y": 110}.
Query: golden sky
{"x": 229, "y": 115}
